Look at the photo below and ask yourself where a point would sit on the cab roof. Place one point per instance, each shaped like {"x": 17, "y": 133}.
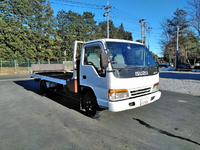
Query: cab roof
{"x": 113, "y": 40}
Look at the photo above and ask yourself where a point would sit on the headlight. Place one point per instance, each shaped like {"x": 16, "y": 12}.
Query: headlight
{"x": 155, "y": 87}
{"x": 118, "y": 94}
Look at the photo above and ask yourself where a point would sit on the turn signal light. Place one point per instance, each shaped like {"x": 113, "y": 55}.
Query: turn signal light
{"x": 118, "y": 94}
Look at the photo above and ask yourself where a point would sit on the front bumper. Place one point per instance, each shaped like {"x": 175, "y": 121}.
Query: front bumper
{"x": 133, "y": 102}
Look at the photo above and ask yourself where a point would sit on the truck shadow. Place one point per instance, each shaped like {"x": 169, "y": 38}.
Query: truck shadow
{"x": 31, "y": 85}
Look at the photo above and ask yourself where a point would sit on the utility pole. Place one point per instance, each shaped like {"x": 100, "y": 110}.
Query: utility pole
{"x": 142, "y": 32}
{"x": 145, "y": 33}
{"x": 149, "y": 37}
{"x": 177, "y": 34}
{"x": 107, "y": 14}
{"x": 141, "y": 21}
{"x": 64, "y": 50}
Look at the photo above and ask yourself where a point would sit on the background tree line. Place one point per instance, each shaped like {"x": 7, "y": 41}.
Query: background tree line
{"x": 188, "y": 22}
{"x": 29, "y": 30}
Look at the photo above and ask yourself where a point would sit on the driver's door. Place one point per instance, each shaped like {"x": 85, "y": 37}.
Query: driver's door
{"x": 91, "y": 72}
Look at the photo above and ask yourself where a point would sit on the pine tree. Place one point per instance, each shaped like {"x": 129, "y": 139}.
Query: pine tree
{"x": 25, "y": 32}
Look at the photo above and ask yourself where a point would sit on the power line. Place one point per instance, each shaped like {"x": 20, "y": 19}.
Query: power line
{"x": 95, "y": 6}
{"x": 117, "y": 17}
{"x": 125, "y": 14}
{"x": 75, "y": 5}
{"x": 81, "y": 3}
{"x": 120, "y": 14}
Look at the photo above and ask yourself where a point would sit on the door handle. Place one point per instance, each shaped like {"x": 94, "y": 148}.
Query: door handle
{"x": 84, "y": 76}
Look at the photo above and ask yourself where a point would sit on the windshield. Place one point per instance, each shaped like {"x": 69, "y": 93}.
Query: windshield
{"x": 128, "y": 56}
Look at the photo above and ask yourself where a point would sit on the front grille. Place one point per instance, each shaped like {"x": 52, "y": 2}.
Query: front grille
{"x": 140, "y": 92}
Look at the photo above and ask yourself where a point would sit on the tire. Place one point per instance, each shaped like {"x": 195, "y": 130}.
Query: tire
{"x": 91, "y": 106}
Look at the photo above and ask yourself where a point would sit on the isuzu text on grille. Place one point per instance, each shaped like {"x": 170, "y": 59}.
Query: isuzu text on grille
{"x": 141, "y": 73}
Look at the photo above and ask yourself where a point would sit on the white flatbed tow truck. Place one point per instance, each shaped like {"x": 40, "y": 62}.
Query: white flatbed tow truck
{"x": 109, "y": 74}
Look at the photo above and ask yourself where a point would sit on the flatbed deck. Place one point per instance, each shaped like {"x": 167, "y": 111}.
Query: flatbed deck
{"x": 56, "y": 77}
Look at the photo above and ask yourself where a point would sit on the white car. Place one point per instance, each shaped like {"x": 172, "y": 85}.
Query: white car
{"x": 196, "y": 67}
{"x": 197, "y": 64}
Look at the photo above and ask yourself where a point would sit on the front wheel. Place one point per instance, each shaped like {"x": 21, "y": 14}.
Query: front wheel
{"x": 91, "y": 106}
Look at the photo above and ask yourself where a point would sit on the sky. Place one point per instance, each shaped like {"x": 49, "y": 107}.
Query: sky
{"x": 128, "y": 12}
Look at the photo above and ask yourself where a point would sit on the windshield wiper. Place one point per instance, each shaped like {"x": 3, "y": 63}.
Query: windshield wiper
{"x": 129, "y": 66}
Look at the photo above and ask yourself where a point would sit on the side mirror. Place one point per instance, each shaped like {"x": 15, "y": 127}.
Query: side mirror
{"x": 104, "y": 60}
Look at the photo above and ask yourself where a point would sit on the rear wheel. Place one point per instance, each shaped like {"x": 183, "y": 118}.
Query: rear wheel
{"x": 91, "y": 105}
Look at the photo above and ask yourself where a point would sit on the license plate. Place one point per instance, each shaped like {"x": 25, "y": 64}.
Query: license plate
{"x": 144, "y": 101}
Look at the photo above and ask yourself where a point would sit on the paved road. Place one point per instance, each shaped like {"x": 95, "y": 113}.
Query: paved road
{"x": 14, "y": 77}
{"x": 31, "y": 121}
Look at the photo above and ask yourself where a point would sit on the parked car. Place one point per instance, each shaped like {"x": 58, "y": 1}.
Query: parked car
{"x": 184, "y": 65}
{"x": 166, "y": 67}
{"x": 197, "y": 65}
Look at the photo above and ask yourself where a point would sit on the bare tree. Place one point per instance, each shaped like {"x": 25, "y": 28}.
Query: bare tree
{"x": 165, "y": 36}
{"x": 194, "y": 13}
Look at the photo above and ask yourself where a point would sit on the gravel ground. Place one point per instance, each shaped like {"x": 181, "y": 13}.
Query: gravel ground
{"x": 182, "y": 82}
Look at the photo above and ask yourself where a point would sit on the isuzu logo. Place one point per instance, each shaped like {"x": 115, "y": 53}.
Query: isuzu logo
{"x": 141, "y": 73}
